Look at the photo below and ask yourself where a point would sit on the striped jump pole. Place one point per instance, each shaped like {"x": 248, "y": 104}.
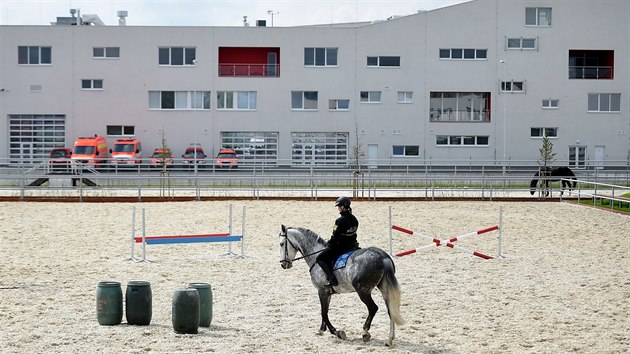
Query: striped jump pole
{"x": 447, "y": 242}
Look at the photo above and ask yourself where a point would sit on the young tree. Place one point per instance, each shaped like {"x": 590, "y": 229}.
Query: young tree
{"x": 547, "y": 157}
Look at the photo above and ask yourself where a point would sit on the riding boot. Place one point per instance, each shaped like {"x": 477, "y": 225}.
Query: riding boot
{"x": 332, "y": 281}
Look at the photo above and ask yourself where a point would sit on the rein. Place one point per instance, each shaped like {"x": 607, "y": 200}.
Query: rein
{"x": 286, "y": 250}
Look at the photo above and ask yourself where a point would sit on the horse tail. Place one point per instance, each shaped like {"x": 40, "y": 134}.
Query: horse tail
{"x": 391, "y": 293}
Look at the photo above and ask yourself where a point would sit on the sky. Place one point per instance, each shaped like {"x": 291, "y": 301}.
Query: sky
{"x": 284, "y": 13}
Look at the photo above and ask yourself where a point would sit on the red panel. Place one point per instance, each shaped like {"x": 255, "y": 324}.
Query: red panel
{"x": 246, "y": 55}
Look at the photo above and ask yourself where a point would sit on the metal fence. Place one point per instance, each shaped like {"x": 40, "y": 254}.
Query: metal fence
{"x": 430, "y": 181}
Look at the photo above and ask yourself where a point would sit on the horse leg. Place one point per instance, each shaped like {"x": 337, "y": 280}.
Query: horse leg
{"x": 366, "y": 297}
{"x": 324, "y": 300}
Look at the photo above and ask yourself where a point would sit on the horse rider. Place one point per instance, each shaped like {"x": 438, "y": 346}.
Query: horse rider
{"x": 343, "y": 239}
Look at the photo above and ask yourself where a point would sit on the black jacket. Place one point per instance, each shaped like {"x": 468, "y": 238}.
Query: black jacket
{"x": 344, "y": 235}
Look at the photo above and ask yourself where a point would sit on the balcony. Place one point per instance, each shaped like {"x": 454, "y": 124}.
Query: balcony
{"x": 591, "y": 64}
{"x": 255, "y": 70}
{"x": 249, "y": 62}
{"x": 447, "y": 115}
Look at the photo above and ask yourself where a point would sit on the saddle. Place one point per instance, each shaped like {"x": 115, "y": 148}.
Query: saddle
{"x": 343, "y": 259}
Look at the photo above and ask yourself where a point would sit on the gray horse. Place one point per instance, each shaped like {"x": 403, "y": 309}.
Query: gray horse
{"x": 365, "y": 269}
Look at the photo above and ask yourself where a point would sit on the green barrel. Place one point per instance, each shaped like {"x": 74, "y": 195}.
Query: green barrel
{"x": 205, "y": 303}
{"x": 186, "y": 310}
{"x": 138, "y": 303}
{"x": 109, "y": 303}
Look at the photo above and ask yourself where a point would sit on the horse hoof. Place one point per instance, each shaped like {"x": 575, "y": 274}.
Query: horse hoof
{"x": 389, "y": 343}
{"x": 341, "y": 335}
{"x": 320, "y": 332}
{"x": 366, "y": 337}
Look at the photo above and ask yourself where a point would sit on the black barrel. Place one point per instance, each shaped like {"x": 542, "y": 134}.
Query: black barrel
{"x": 138, "y": 303}
{"x": 186, "y": 310}
{"x": 205, "y": 303}
{"x": 109, "y": 303}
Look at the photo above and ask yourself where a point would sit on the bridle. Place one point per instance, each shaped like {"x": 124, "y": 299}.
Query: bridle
{"x": 286, "y": 250}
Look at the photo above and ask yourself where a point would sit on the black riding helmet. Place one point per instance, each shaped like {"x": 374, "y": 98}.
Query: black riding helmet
{"x": 345, "y": 201}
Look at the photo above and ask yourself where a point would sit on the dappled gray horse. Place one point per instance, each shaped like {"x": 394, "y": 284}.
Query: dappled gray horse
{"x": 365, "y": 269}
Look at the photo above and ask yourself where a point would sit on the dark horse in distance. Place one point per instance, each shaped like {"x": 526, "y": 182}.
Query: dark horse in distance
{"x": 555, "y": 174}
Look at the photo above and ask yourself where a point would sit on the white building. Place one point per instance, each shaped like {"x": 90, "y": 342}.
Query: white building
{"x": 481, "y": 81}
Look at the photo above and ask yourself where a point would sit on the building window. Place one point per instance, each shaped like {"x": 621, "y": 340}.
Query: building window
{"x": 461, "y": 140}
{"x": 383, "y": 61}
{"x": 537, "y": 132}
{"x": 538, "y": 16}
{"x": 522, "y": 43}
{"x": 177, "y": 56}
{"x": 319, "y": 148}
{"x": 405, "y": 96}
{"x": 512, "y": 86}
{"x": 320, "y": 56}
{"x": 550, "y": 103}
{"x": 304, "y": 100}
{"x": 179, "y": 100}
{"x": 591, "y": 64}
{"x": 121, "y": 130}
{"x": 370, "y": 96}
{"x": 236, "y": 100}
{"x": 106, "y": 52}
{"x": 91, "y": 84}
{"x": 34, "y": 55}
{"x": 604, "y": 102}
{"x": 463, "y": 54}
{"x": 459, "y": 107}
{"x": 339, "y": 105}
{"x": 405, "y": 150}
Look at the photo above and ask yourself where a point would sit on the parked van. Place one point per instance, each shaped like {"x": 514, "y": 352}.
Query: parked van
{"x": 90, "y": 151}
{"x": 126, "y": 152}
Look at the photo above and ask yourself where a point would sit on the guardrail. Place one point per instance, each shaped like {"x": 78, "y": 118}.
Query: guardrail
{"x": 603, "y": 191}
{"x": 315, "y": 183}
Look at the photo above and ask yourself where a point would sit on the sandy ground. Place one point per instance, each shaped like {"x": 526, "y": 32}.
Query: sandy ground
{"x": 564, "y": 285}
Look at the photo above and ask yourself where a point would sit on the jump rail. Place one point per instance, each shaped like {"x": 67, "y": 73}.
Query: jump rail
{"x": 449, "y": 242}
{"x": 174, "y": 239}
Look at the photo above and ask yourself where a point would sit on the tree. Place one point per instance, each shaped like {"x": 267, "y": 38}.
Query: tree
{"x": 547, "y": 156}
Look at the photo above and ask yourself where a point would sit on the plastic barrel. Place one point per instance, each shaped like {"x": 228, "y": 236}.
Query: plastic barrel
{"x": 109, "y": 303}
{"x": 205, "y": 303}
{"x": 138, "y": 303}
{"x": 186, "y": 310}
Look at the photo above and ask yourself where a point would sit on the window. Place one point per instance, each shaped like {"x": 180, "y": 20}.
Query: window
{"x": 405, "y": 96}
{"x": 370, "y": 96}
{"x": 459, "y": 107}
{"x": 238, "y": 100}
{"x": 34, "y": 55}
{"x": 512, "y": 86}
{"x": 181, "y": 100}
{"x": 320, "y": 56}
{"x": 550, "y": 103}
{"x": 305, "y": 100}
{"x": 522, "y": 43}
{"x": 405, "y": 150}
{"x": 461, "y": 140}
{"x": 106, "y": 52}
{"x": 339, "y": 105}
{"x": 604, "y": 102}
{"x": 177, "y": 56}
{"x": 464, "y": 54}
{"x": 538, "y": 16}
{"x": 383, "y": 61}
{"x": 121, "y": 130}
{"x": 537, "y": 132}
{"x": 92, "y": 84}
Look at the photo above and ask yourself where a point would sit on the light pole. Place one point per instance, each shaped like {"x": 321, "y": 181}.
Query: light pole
{"x": 271, "y": 12}
{"x": 504, "y": 90}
